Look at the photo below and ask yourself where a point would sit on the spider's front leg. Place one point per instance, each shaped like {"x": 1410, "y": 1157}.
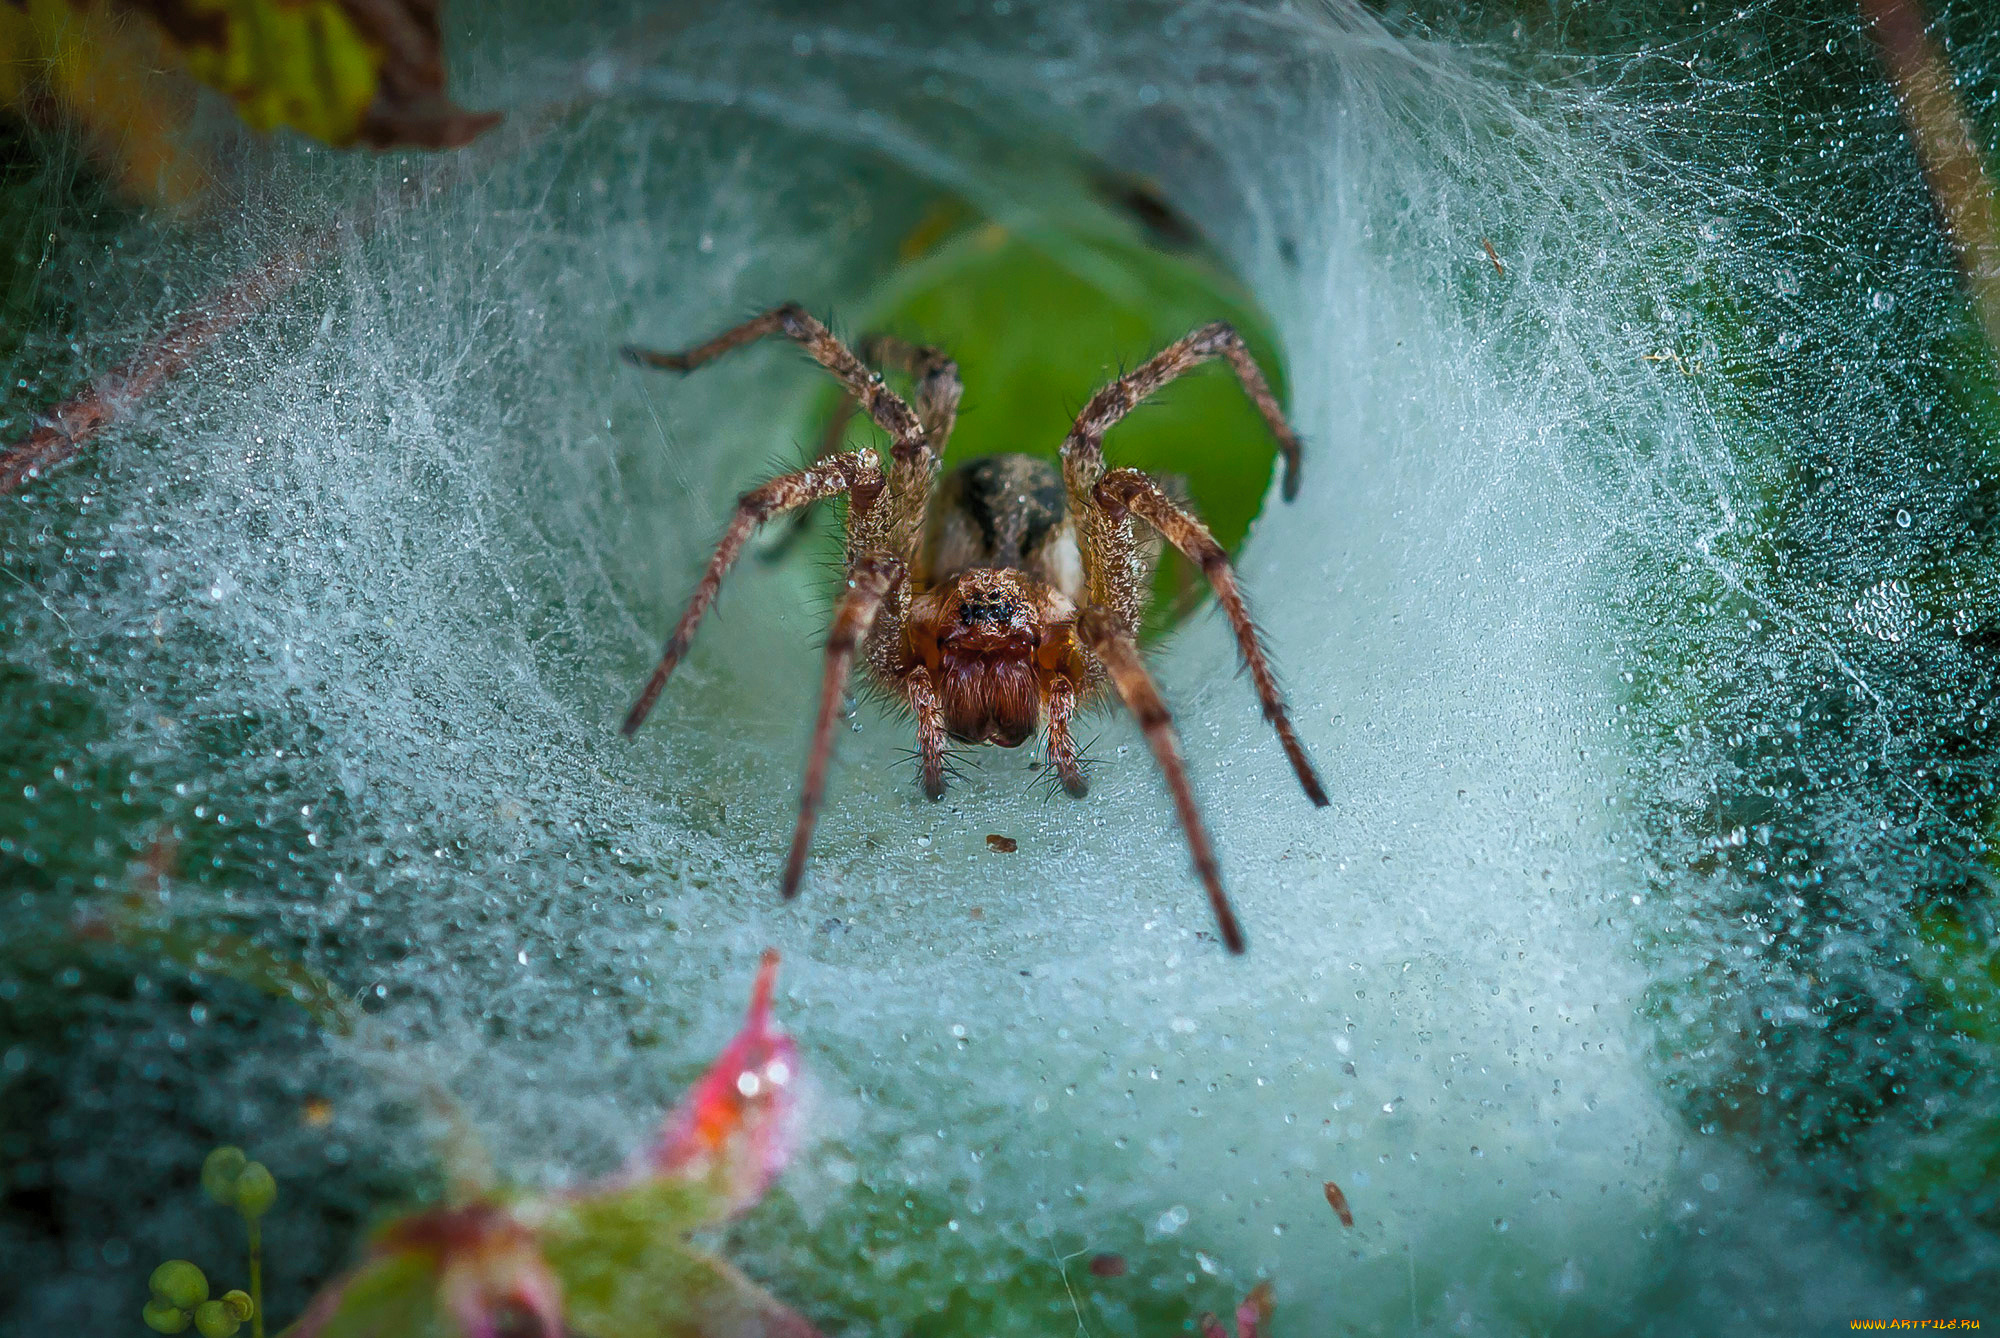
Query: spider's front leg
{"x": 870, "y": 579}
{"x": 1116, "y": 578}
{"x": 791, "y": 320}
{"x": 896, "y": 526}
{"x": 936, "y": 375}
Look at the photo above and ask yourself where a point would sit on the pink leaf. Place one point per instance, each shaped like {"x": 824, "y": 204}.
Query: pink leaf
{"x": 487, "y": 1265}
{"x": 733, "y": 1129}
{"x": 1255, "y": 1310}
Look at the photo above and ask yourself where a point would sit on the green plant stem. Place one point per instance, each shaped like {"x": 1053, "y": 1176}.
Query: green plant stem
{"x": 256, "y": 1277}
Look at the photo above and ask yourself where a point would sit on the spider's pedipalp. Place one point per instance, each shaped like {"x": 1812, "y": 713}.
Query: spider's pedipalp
{"x": 1062, "y": 744}
{"x": 871, "y": 576}
{"x": 1050, "y": 782}
{"x": 1107, "y": 637}
{"x": 1127, "y": 490}
{"x": 929, "y": 709}
{"x": 857, "y": 473}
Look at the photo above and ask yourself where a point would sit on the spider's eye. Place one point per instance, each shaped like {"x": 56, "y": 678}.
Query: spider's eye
{"x": 986, "y": 613}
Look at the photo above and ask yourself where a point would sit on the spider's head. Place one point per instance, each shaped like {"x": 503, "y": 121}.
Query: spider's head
{"x": 989, "y": 635}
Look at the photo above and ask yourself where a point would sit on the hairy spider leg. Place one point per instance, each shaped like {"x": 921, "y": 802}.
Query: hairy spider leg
{"x": 857, "y": 473}
{"x": 936, "y": 376}
{"x": 870, "y": 578}
{"x": 1128, "y": 490}
{"x": 884, "y": 405}
{"x": 895, "y": 523}
{"x": 1115, "y": 580}
{"x": 929, "y": 708}
{"x": 1110, "y": 639}
{"x": 1061, "y": 700}
{"x": 938, "y": 393}
{"x": 1190, "y": 351}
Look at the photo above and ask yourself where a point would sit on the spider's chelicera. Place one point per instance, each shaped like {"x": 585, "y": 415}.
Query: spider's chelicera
{"x": 995, "y": 602}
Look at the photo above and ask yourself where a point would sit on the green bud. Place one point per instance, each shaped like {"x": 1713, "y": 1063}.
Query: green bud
{"x": 164, "y": 1316}
{"x": 214, "y": 1320}
{"x": 219, "y": 1172}
{"x": 239, "y": 1304}
{"x": 256, "y": 1191}
{"x": 180, "y": 1284}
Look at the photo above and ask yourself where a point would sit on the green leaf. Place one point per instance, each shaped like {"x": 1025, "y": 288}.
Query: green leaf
{"x": 682, "y": 1294}
{"x": 591, "y": 1237}
{"x": 393, "y": 1295}
{"x": 306, "y": 66}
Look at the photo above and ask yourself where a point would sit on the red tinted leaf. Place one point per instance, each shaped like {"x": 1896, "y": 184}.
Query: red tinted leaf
{"x": 1254, "y": 1312}
{"x": 477, "y": 1264}
{"x": 733, "y": 1129}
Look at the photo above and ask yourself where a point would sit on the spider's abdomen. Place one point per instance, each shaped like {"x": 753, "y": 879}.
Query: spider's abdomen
{"x": 1004, "y": 511}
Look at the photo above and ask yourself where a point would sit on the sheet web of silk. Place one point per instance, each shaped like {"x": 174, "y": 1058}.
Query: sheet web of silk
{"x": 1632, "y": 607}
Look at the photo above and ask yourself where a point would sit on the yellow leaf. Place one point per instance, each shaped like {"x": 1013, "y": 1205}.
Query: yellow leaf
{"x": 302, "y": 65}
{"x": 341, "y": 71}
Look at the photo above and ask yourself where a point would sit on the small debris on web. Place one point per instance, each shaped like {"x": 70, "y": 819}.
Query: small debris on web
{"x": 1005, "y": 845}
{"x": 1338, "y": 1202}
{"x": 1107, "y": 1265}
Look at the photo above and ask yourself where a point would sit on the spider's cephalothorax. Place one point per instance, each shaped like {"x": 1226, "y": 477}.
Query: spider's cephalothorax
{"x": 996, "y": 601}
{"x": 996, "y": 629}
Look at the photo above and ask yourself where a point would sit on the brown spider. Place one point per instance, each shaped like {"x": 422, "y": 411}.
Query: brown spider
{"x": 1020, "y": 598}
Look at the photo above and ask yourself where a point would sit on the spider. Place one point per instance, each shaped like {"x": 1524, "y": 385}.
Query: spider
{"x": 996, "y": 601}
